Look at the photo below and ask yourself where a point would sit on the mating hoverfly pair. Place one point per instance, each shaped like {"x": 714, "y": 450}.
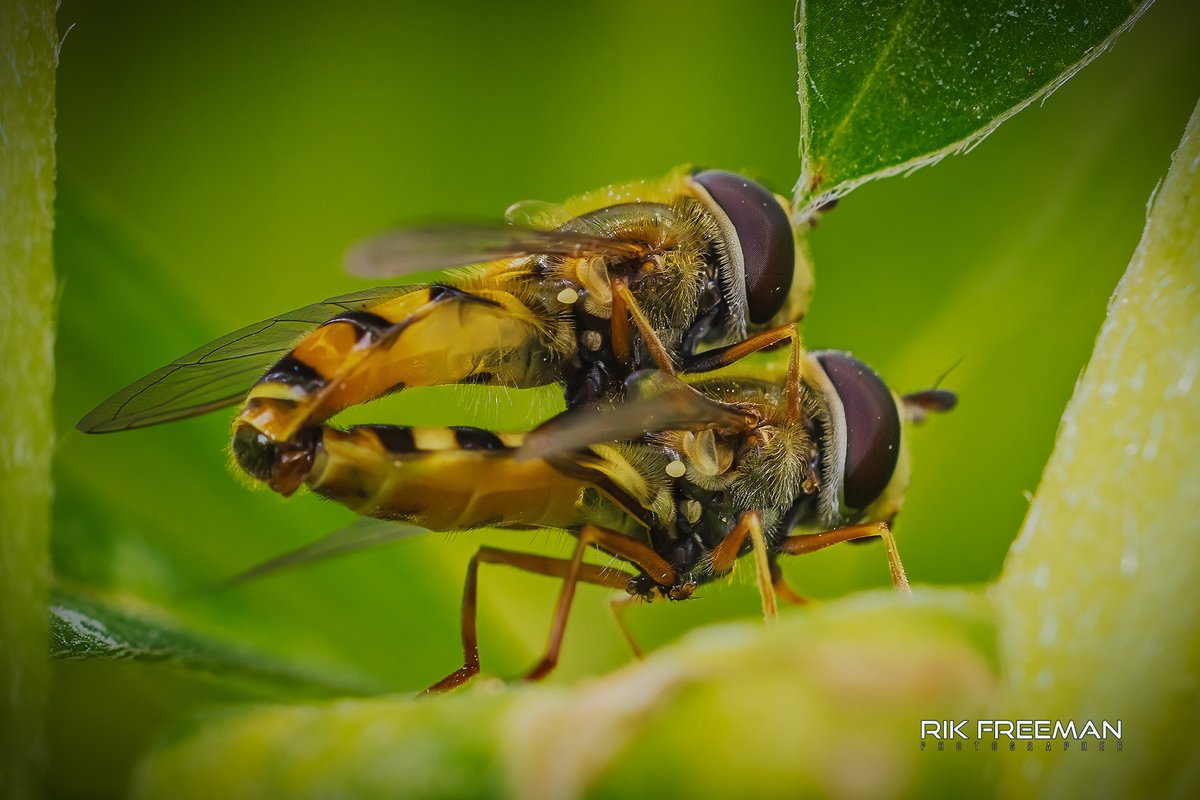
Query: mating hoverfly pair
{"x": 643, "y": 301}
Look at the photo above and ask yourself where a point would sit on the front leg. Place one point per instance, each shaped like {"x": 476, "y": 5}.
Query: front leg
{"x": 720, "y": 357}
{"x": 811, "y": 542}
{"x": 725, "y": 554}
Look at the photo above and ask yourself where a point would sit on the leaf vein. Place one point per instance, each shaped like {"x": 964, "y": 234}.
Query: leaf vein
{"x": 884, "y": 54}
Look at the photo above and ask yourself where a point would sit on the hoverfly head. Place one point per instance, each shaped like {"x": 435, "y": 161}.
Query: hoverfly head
{"x": 760, "y": 252}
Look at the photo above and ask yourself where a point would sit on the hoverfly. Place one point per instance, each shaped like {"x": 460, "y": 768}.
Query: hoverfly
{"x": 677, "y": 481}
{"x": 583, "y": 295}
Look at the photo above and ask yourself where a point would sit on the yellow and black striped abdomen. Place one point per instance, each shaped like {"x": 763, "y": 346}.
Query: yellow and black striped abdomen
{"x": 443, "y": 479}
{"x": 430, "y": 336}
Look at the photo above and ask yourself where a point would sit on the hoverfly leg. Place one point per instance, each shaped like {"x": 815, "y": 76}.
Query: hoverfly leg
{"x": 811, "y": 542}
{"x": 611, "y": 542}
{"x": 539, "y": 565}
{"x": 470, "y": 638}
{"x": 725, "y": 555}
{"x": 895, "y": 565}
{"x": 793, "y": 388}
{"x": 719, "y": 357}
{"x": 619, "y": 338}
{"x": 698, "y": 331}
{"x": 762, "y": 568}
{"x": 658, "y": 351}
{"x": 632, "y": 551}
{"x": 618, "y": 606}
{"x": 783, "y": 590}
{"x": 562, "y": 610}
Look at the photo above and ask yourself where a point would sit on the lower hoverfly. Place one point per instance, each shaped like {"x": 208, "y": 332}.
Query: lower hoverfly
{"x": 677, "y": 481}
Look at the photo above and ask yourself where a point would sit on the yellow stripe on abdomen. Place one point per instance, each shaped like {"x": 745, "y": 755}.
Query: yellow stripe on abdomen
{"x": 430, "y": 336}
{"x": 469, "y": 479}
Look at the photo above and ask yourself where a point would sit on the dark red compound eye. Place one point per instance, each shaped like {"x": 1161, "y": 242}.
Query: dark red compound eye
{"x": 872, "y": 428}
{"x": 764, "y": 234}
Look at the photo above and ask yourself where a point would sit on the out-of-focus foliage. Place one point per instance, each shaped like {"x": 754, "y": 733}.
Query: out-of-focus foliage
{"x": 219, "y": 158}
{"x": 888, "y": 87}
{"x": 822, "y": 704}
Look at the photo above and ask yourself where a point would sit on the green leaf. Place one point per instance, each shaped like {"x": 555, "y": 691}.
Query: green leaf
{"x": 124, "y": 671}
{"x": 887, "y": 87}
{"x": 855, "y": 677}
{"x": 1100, "y": 598}
{"x": 85, "y": 628}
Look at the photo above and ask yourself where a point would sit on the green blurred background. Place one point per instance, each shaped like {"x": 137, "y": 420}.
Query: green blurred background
{"x": 217, "y": 158}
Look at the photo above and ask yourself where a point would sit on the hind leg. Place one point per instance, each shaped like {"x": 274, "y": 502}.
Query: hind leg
{"x": 539, "y": 565}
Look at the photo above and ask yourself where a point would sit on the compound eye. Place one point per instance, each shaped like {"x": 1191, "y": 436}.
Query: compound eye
{"x": 764, "y": 234}
{"x": 872, "y": 428}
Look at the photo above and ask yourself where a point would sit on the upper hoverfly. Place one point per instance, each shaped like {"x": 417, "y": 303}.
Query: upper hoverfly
{"x": 582, "y": 295}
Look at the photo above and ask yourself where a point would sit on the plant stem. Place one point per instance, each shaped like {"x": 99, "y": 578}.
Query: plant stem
{"x": 28, "y": 44}
{"x": 1099, "y": 597}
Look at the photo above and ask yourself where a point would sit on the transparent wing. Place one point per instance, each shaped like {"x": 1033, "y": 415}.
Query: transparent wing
{"x": 221, "y": 372}
{"x": 409, "y": 250}
{"x": 362, "y": 534}
{"x": 657, "y": 402}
